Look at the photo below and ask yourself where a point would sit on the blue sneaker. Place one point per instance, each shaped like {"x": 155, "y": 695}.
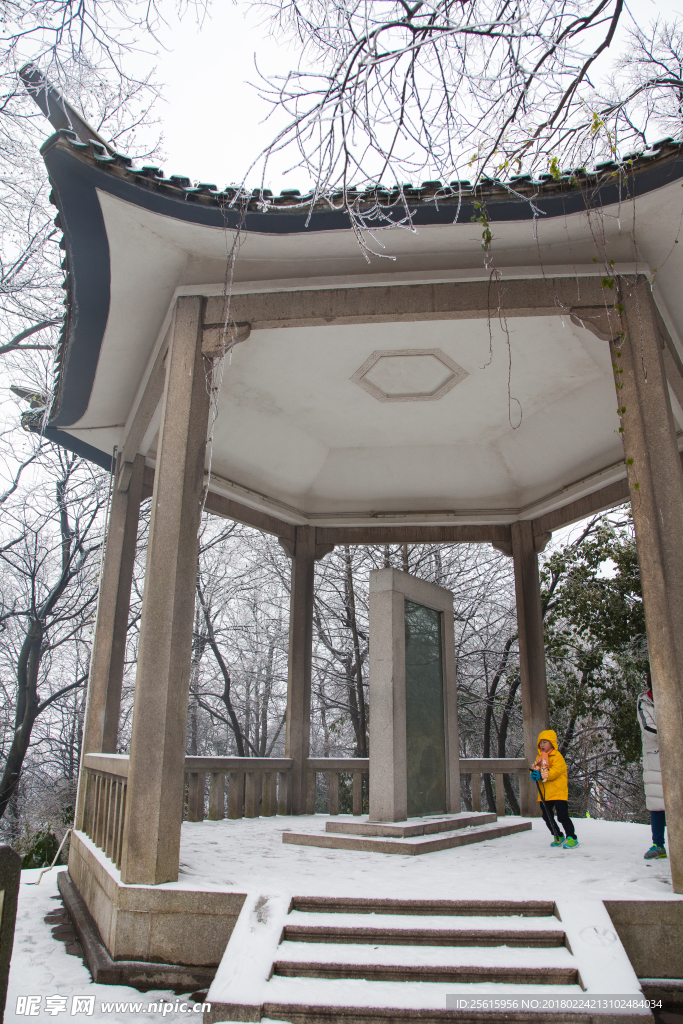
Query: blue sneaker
{"x": 655, "y": 853}
{"x": 557, "y": 841}
{"x": 570, "y": 843}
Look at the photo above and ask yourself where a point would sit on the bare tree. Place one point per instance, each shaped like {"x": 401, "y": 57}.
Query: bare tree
{"x": 385, "y": 92}
{"x": 239, "y": 658}
{"x": 644, "y": 97}
{"x": 49, "y": 558}
{"x": 463, "y": 95}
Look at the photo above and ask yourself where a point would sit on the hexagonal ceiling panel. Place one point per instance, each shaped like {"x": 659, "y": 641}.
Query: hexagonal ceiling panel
{"x": 408, "y": 375}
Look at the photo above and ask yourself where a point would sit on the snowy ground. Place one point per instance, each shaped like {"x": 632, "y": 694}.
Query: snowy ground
{"x": 249, "y": 856}
{"x": 42, "y": 967}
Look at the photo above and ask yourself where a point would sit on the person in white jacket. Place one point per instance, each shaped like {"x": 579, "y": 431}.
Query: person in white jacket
{"x": 652, "y": 774}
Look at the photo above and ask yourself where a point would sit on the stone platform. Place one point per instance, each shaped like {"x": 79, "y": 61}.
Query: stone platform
{"x": 409, "y": 838}
{"x": 229, "y": 865}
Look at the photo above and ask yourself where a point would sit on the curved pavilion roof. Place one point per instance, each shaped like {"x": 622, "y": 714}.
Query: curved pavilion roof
{"x": 375, "y": 393}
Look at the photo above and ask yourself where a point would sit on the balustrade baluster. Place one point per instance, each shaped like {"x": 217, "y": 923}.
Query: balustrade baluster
{"x": 195, "y": 796}
{"x": 122, "y": 823}
{"x": 104, "y": 813}
{"x": 111, "y": 813}
{"x": 101, "y": 803}
{"x": 333, "y": 792}
{"x": 284, "y": 803}
{"x": 95, "y": 800}
{"x": 252, "y": 795}
{"x": 500, "y": 795}
{"x": 476, "y": 791}
{"x": 88, "y": 803}
{"x": 217, "y": 796}
{"x": 235, "y": 794}
{"x": 99, "y": 815}
{"x": 357, "y": 793}
{"x": 310, "y": 792}
{"x": 269, "y": 795}
{"x": 115, "y": 821}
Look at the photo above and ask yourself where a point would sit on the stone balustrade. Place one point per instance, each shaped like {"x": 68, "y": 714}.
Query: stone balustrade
{"x": 256, "y": 787}
{"x": 475, "y": 767}
{"x": 259, "y": 786}
{"x": 333, "y": 768}
{"x": 104, "y": 804}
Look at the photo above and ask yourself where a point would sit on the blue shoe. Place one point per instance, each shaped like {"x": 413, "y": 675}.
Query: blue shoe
{"x": 557, "y": 841}
{"x": 655, "y": 853}
{"x": 570, "y": 843}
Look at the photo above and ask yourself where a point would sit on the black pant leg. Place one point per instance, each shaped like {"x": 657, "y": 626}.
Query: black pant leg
{"x": 562, "y": 811}
{"x": 549, "y": 804}
{"x": 658, "y": 823}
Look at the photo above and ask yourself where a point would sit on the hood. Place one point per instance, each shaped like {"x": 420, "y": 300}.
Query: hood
{"x": 547, "y": 734}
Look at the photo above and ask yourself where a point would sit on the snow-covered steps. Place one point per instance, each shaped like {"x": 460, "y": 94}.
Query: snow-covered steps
{"x": 404, "y": 933}
{"x": 415, "y": 827}
{"x": 408, "y": 838}
{"x": 432, "y": 908}
{"x": 426, "y": 963}
{"x": 319, "y": 960}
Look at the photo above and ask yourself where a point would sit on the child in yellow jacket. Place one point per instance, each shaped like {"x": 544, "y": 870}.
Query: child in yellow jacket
{"x": 549, "y": 770}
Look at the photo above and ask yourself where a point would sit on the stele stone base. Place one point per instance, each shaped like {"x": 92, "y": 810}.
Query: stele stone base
{"x": 156, "y": 924}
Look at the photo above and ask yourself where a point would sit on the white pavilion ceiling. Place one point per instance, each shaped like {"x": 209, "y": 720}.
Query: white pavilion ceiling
{"x": 344, "y": 423}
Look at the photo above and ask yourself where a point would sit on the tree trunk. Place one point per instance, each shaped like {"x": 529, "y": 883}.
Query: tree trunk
{"x": 362, "y": 746}
{"x": 489, "y": 719}
{"x": 247, "y": 713}
{"x": 265, "y": 704}
{"x": 323, "y": 720}
{"x": 225, "y": 696}
{"x": 193, "y": 751}
{"x": 27, "y": 710}
{"x": 502, "y": 740}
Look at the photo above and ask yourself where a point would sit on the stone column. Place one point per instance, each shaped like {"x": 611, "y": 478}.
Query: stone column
{"x": 656, "y": 487}
{"x": 531, "y": 648}
{"x": 100, "y": 732}
{"x": 298, "y": 727}
{"x": 151, "y": 843}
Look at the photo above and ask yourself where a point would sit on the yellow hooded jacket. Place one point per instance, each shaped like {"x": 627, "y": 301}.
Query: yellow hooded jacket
{"x": 556, "y": 787}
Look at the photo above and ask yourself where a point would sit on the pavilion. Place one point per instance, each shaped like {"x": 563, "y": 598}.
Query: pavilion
{"x": 429, "y": 396}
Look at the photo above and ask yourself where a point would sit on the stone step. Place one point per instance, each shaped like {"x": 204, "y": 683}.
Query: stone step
{"x": 318, "y": 965}
{"x": 276, "y": 1013}
{"x": 406, "y": 847}
{"x": 451, "y": 973}
{"x": 425, "y": 936}
{"x": 435, "y": 908}
{"x": 350, "y": 956}
{"x": 406, "y": 829}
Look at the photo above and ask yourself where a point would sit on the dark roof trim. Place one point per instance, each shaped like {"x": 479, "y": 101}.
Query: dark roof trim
{"x": 87, "y": 282}
{"x": 73, "y": 444}
{"x": 77, "y": 170}
{"x": 203, "y": 205}
{"x": 56, "y": 109}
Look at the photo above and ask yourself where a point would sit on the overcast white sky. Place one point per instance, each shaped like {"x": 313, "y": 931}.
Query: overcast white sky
{"x": 213, "y": 119}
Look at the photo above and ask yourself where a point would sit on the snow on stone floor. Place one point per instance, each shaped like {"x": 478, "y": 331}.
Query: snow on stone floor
{"x": 248, "y": 855}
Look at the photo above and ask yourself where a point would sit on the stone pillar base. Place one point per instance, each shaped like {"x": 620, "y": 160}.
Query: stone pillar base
{"x": 159, "y": 924}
